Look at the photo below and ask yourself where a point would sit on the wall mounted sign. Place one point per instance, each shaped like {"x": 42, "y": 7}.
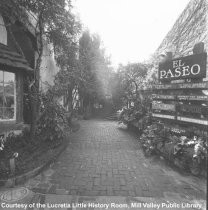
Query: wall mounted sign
{"x": 165, "y": 97}
{"x": 199, "y": 85}
{"x": 184, "y": 119}
{"x": 192, "y": 98}
{"x": 192, "y": 66}
{"x": 164, "y": 116}
{"x": 175, "y": 129}
{"x": 179, "y": 79}
{"x": 192, "y": 120}
{"x": 178, "y": 129}
{"x": 190, "y": 108}
{"x": 162, "y": 106}
{"x": 194, "y": 109}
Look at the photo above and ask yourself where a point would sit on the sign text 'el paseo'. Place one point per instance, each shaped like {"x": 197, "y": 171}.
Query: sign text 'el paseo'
{"x": 193, "y": 66}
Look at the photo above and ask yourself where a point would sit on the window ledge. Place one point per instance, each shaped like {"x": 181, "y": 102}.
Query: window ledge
{"x": 11, "y": 125}
{"x": 7, "y": 121}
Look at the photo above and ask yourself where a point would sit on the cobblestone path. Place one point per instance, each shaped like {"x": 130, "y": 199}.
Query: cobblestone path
{"x": 103, "y": 159}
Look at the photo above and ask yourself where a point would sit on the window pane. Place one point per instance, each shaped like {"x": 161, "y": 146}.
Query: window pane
{"x": 9, "y": 101}
{"x": 8, "y": 113}
{"x": 1, "y": 76}
{"x": 8, "y": 77}
{"x": 9, "y": 89}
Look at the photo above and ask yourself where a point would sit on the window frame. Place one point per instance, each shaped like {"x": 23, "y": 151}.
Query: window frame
{"x": 15, "y": 102}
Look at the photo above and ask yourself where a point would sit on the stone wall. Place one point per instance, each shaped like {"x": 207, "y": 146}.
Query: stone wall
{"x": 189, "y": 29}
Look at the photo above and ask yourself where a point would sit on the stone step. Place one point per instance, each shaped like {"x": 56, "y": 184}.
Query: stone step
{"x": 112, "y": 117}
{"x": 62, "y": 192}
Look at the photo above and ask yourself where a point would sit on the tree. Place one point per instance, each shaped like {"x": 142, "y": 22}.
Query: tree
{"x": 130, "y": 80}
{"x": 93, "y": 68}
{"x": 55, "y": 23}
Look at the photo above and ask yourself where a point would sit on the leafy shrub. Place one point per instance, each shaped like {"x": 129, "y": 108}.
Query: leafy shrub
{"x": 53, "y": 119}
{"x": 20, "y": 144}
{"x": 49, "y": 134}
{"x": 178, "y": 149}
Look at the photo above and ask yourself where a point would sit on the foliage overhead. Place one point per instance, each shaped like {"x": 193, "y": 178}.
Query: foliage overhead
{"x": 93, "y": 66}
{"x": 58, "y": 23}
{"x": 128, "y": 81}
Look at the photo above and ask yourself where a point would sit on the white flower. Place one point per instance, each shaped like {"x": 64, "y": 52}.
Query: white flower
{"x": 2, "y": 147}
{"x": 15, "y": 155}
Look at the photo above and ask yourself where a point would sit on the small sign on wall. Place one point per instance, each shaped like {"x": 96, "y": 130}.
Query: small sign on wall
{"x": 192, "y": 120}
{"x": 162, "y": 106}
{"x": 164, "y": 116}
{"x": 199, "y": 85}
{"x": 193, "y": 66}
{"x": 194, "y": 109}
{"x": 190, "y": 108}
{"x": 192, "y": 98}
{"x": 161, "y": 97}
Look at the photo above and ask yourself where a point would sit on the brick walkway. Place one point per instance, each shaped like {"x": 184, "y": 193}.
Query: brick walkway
{"x": 103, "y": 159}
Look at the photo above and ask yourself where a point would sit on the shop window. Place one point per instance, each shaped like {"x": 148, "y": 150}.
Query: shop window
{"x": 7, "y": 96}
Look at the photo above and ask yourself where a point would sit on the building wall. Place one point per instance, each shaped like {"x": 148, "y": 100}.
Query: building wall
{"x": 24, "y": 43}
{"x": 3, "y": 32}
{"x": 189, "y": 29}
{"x": 48, "y": 68}
{"x": 13, "y": 125}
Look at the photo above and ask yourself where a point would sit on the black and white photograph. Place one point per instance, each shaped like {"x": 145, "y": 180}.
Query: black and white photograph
{"x": 103, "y": 104}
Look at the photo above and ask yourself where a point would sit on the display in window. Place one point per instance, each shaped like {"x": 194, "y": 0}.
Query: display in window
{"x": 7, "y": 95}
{"x": 1, "y": 76}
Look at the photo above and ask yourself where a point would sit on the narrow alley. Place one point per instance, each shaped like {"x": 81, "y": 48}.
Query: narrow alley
{"x": 105, "y": 159}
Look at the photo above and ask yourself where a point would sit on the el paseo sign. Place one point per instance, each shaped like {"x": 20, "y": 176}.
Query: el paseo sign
{"x": 193, "y": 66}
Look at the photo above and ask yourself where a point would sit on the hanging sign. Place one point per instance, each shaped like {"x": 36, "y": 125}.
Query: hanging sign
{"x": 162, "y": 106}
{"x": 192, "y": 66}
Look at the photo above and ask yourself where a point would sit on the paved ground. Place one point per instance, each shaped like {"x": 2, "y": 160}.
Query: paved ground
{"x": 105, "y": 160}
